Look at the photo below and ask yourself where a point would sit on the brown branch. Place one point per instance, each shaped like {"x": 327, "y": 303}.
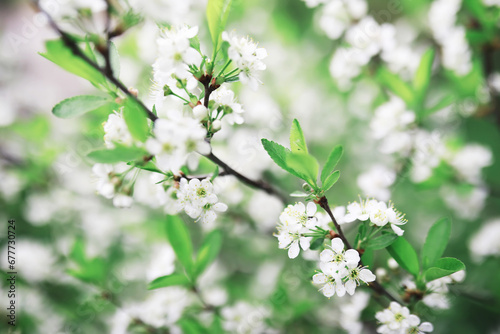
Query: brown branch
{"x": 266, "y": 187}
{"x": 73, "y": 46}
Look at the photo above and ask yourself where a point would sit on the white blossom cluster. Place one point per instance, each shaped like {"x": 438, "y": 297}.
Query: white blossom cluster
{"x": 113, "y": 182}
{"x": 486, "y": 242}
{"x": 116, "y": 131}
{"x": 437, "y": 291}
{"x": 390, "y": 125}
{"x": 397, "y": 319}
{"x": 177, "y": 139}
{"x": 198, "y": 200}
{"x": 379, "y": 213}
{"x": 456, "y": 54}
{"x": 340, "y": 270}
{"x": 247, "y": 56}
{"x": 296, "y": 221}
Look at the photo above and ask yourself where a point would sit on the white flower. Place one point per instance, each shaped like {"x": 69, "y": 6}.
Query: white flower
{"x": 225, "y": 101}
{"x": 340, "y": 272}
{"x": 116, "y": 131}
{"x": 175, "y": 139}
{"x": 394, "y": 319}
{"x": 198, "y": 200}
{"x": 359, "y": 211}
{"x": 200, "y": 112}
{"x": 415, "y": 327}
{"x": 175, "y": 54}
{"x": 296, "y": 220}
{"x": 247, "y": 57}
{"x": 356, "y": 274}
{"x": 245, "y": 319}
{"x": 110, "y": 183}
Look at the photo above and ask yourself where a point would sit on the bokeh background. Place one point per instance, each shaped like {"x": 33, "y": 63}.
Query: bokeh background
{"x": 47, "y": 186}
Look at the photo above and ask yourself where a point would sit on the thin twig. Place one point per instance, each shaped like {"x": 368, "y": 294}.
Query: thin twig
{"x": 73, "y": 46}
{"x": 266, "y": 187}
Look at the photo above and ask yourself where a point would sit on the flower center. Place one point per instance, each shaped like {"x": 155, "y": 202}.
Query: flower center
{"x": 399, "y": 317}
{"x": 201, "y": 192}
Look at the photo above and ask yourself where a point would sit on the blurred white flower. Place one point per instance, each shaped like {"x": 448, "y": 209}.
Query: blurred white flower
{"x": 338, "y": 15}
{"x": 469, "y": 161}
{"x": 376, "y": 182}
{"x": 243, "y": 318}
{"x": 394, "y": 319}
{"x": 389, "y": 124}
{"x": 466, "y": 204}
{"x": 116, "y": 131}
{"x": 486, "y": 242}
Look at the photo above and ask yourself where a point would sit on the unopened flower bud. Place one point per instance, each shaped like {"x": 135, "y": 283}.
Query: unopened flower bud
{"x": 306, "y": 187}
{"x": 216, "y": 125}
{"x": 200, "y": 112}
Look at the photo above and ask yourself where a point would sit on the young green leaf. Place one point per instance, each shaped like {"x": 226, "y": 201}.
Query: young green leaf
{"x": 331, "y": 162}
{"x": 305, "y": 165}
{"x": 279, "y": 155}
{"x": 436, "y": 241}
{"x": 443, "y": 267}
{"x": 381, "y": 242}
{"x": 117, "y": 154}
{"x": 297, "y": 140}
{"x": 396, "y": 85}
{"x": 61, "y": 55}
{"x": 178, "y": 236}
{"x": 423, "y": 74}
{"x": 404, "y": 254}
{"x": 136, "y": 120}
{"x": 367, "y": 258}
{"x": 330, "y": 181}
{"x": 208, "y": 251}
{"x": 217, "y": 14}
{"x": 169, "y": 280}
{"x": 79, "y": 105}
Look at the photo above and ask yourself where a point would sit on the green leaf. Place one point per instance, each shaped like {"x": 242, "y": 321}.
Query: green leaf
{"x": 297, "y": 140}
{"x": 279, "y": 155}
{"x": 217, "y": 14}
{"x": 208, "y": 251}
{"x": 305, "y": 165}
{"x": 149, "y": 166}
{"x": 114, "y": 59}
{"x": 169, "y": 280}
{"x": 331, "y": 162}
{"x": 330, "y": 181}
{"x": 117, "y": 154}
{"x": 317, "y": 243}
{"x": 445, "y": 102}
{"x": 436, "y": 241}
{"x": 367, "y": 258}
{"x": 79, "y": 105}
{"x": 136, "y": 120}
{"x": 404, "y": 254}
{"x": 396, "y": 85}
{"x": 423, "y": 74}
{"x": 178, "y": 236}
{"x": 381, "y": 242}
{"x": 61, "y": 55}
{"x": 443, "y": 267}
